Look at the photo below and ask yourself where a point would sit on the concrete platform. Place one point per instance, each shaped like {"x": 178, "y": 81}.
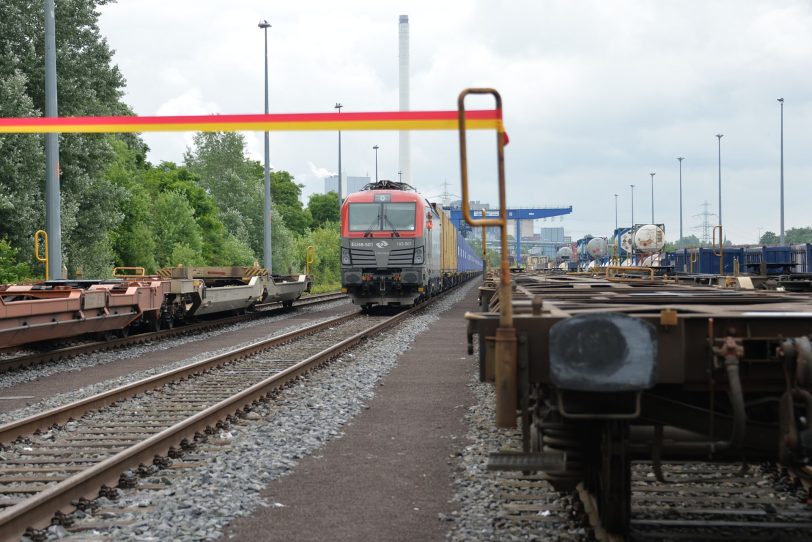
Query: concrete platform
{"x": 391, "y": 473}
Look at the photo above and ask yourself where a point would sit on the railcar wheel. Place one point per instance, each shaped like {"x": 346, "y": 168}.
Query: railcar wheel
{"x": 123, "y": 332}
{"x": 614, "y": 480}
{"x": 153, "y": 324}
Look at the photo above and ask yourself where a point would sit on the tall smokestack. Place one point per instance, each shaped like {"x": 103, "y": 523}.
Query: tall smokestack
{"x": 403, "y": 79}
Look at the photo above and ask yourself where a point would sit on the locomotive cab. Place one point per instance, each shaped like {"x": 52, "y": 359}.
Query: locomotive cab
{"x": 389, "y": 246}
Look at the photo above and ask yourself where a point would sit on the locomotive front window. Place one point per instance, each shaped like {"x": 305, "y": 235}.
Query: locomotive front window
{"x": 399, "y": 216}
{"x": 365, "y": 217}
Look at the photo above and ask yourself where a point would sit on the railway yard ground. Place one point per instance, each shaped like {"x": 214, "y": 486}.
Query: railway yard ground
{"x": 388, "y": 441}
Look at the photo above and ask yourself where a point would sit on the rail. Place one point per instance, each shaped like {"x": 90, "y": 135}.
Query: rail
{"x": 38, "y": 510}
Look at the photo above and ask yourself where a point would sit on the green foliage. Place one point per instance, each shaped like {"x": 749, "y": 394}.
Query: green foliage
{"x": 89, "y": 84}
{"x": 283, "y": 241}
{"x": 792, "y": 236}
{"x": 178, "y": 239}
{"x": 10, "y": 269}
{"x": 323, "y": 208}
{"x": 326, "y": 268}
{"x": 286, "y": 193}
{"x": 22, "y": 207}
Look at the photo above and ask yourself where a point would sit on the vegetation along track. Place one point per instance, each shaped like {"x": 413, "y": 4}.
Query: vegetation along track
{"x": 10, "y": 362}
{"x": 139, "y": 424}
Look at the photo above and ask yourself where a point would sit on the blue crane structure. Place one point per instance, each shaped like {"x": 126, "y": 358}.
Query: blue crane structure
{"x": 517, "y": 214}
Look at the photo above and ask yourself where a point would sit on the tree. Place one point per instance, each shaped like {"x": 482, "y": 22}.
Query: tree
{"x": 325, "y": 269}
{"x": 10, "y": 270}
{"x": 178, "y": 239}
{"x": 323, "y": 208}
{"x": 89, "y": 84}
{"x": 22, "y": 166}
{"x": 769, "y": 238}
{"x": 795, "y": 236}
{"x": 286, "y": 193}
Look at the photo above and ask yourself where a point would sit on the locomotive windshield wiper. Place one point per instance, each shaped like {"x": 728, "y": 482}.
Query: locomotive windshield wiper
{"x": 394, "y": 229}
{"x": 377, "y": 221}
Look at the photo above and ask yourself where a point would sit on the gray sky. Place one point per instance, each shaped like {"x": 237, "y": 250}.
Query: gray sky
{"x": 597, "y": 94}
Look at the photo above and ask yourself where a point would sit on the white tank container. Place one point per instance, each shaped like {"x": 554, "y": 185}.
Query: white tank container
{"x": 564, "y": 253}
{"x": 626, "y": 241}
{"x": 649, "y": 239}
{"x": 597, "y": 248}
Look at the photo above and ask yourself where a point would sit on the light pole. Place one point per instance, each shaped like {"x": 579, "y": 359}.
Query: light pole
{"x": 53, "y": 217}
{"x": 376, "y": 162}
{"x": 267, "y": 247}
{"x": 632, "y": 225}
{"x": 680, "y": 158}
{"x": 339, "y": 106}
{"x": 652, "y": 196}
{"x": 781, "y": 100}
{"x": 617, "y": 237}
{"x": 719, "y": 137}
{"x": 631, "y": 230}
{"x": 616, "y": 195}
{"x": 400, "y": 176}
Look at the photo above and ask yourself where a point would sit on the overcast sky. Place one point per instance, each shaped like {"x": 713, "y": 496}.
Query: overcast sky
{"x": 597, "y": 94}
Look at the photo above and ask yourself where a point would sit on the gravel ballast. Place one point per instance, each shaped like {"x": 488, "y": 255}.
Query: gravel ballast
{"x": 82, "y": 363}
{"x": 293, "y": 440}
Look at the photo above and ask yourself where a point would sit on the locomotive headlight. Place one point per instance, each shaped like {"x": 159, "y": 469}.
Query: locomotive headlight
{"x": 345, "y": 256}
{"x": 418, "y": 255}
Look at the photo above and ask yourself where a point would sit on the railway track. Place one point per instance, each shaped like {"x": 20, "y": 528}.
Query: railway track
{"x": 699, "y": 502}
{"x": 9, "y": 362}
{"x": 51, "y": 467}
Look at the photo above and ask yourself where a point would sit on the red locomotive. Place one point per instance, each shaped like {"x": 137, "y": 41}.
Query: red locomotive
{"x": 397, "y": 248}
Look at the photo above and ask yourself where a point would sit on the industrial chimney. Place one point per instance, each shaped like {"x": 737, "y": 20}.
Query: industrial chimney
{"x": 403, "y": 79}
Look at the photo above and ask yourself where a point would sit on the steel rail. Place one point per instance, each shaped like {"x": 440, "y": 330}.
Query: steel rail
{"x": 62, "y": 414}
{"x": 38, "y": 510}
{"x": 272, "y": 309}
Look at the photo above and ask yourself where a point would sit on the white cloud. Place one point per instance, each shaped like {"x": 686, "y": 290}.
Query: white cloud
{"x": 596, "y": 94}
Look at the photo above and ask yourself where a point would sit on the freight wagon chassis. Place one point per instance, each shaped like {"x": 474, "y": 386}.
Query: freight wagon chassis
{"x": 609, "y": 373}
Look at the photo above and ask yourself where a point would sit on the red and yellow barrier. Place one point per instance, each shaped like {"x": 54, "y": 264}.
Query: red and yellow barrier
{"x": 276, "y": 122}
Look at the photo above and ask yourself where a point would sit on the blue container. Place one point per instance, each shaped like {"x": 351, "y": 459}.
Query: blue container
{"x": 801, "y": 258}
{"x": 768, "y": 260}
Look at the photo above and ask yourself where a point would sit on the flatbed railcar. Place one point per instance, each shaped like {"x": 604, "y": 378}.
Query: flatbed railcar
{"x": 610, "y": 372}
{"x": 60, "y": 309}
{"x": 398, "y": 249}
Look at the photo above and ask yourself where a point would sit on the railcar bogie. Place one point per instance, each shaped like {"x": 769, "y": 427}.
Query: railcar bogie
{"x": 609, "y": 372}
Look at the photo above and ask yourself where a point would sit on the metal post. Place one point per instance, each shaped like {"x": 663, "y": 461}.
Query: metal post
{"x": 376, "y": 162}
{"x": 484, "y": 247}
{"x": 53, "y": 217}
{"x": 781, "y": 100}
{"x": 631, "y": 230}
{"x": 632, "y": 226}
{"x": 652, "y": 196}
{"x": 617, "y": 237}
{"x": 267, "y": 244}
{"x": 339, "y": 106}
{"x": 505, "y": 341}
{"x": 616, "y": 212}
{"x": 518, "y": 241}
{"x": 719, "y": 138}
{"x": 680, "y": 158}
